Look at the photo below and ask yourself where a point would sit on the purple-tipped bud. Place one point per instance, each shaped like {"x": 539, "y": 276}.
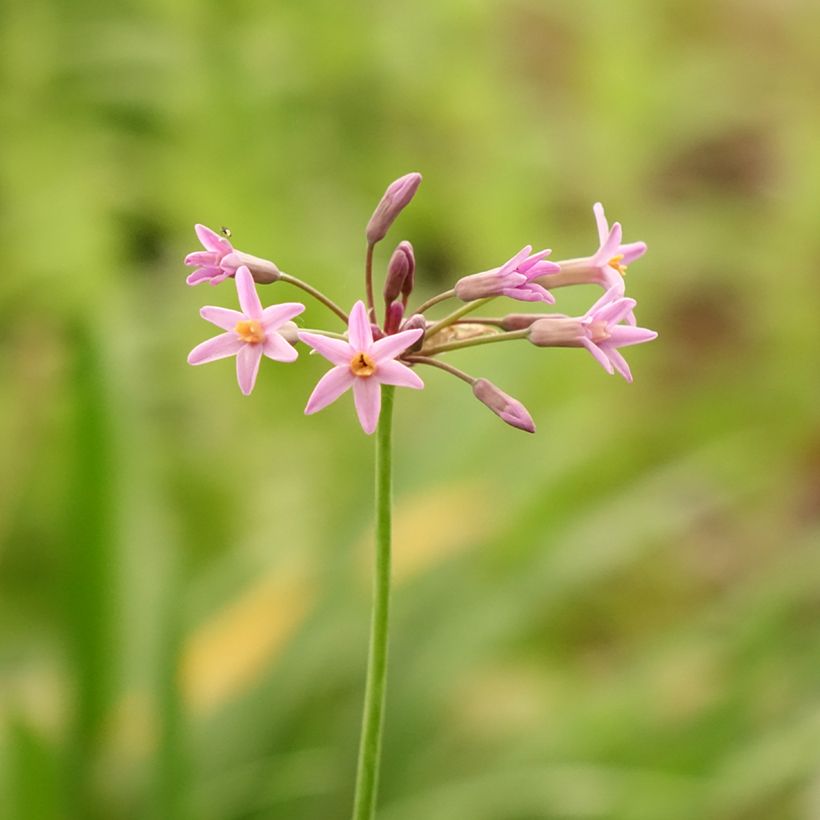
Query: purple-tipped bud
{"x": 505, "y": 407}
{"x": 395, "y": 199}
{"x": 415, "y": 321}
{"x": 401, "y": 267}
{"x": 393, "y": 317}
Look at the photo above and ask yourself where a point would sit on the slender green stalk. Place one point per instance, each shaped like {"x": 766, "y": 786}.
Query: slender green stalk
{"x": 364, "y": 806}
{"x": 478, "y": 340}
{"x": 327, "y": 333}
{"x": 448, "y": 294}
{"x": 316, "y": 294}
{"x": 457, "y": 314}
{"x": 368, "y": 281}
{"x": 447, "y": 368}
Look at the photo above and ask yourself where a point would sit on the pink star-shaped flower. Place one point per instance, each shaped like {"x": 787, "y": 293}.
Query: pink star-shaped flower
{"x": 515, "y": 279}
{"x": 251, "y": 332}
{"x": 210, "y": 266}
{"x": 362, "y": 364}
{"x": 613, "y": 257}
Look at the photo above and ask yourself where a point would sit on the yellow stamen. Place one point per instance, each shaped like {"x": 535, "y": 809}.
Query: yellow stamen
{"x": 250, "y": 331}
{"x": 615, "y": 262}
{"x": 362, "y": 365}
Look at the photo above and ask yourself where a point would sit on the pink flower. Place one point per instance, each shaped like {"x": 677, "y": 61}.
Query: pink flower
{"x": 220, "y": 260}
{"x": 598, "y": 330}
{"x": 250, "y": 333}
{"x": 515, "y": 278}
{"x": 362, "y": 364}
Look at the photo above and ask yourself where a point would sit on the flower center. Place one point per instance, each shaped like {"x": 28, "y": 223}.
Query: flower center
{"x": 250, "y": 331}
{"x": 362, "y": 365}
{"x": 599, "y": 331}
{"x": 615, "y": 262}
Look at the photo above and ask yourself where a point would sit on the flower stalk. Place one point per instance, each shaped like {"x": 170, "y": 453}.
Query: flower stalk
{"x": 367, "y": 776}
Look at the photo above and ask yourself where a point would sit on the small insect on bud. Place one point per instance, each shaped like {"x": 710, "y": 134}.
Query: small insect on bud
{"x": 395, "y": 199}
{"x": 505, "y": 407}
{"x": 400, "y": 269}
{"x": 416, "y": 321}
{"x": 226, "y": 232}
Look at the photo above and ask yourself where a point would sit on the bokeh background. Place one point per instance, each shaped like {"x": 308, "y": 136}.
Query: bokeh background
{"x": 615, "y": 618}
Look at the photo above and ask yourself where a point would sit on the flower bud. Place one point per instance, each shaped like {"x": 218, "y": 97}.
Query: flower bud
{"x": 263, "y": 270}
{"x": 519, "y": 321}
{"x": 556, "y": 331}
{"x": 395, "y": 199}
{"x": 505, "y": 407}
{"x": 289, "y": 332}
{"x": 417, "y": 320}
{"x": 393, "y": 317}
{"x": 401, "y": 268}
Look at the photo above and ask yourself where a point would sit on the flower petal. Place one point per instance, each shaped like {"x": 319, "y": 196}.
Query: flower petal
{"x": 600, "y": 221}
{"x": 206, "y": 259}
{"x": 617, "y": 360}
{"x": 359, "y": 331}
{"x": 275, "y": 316}
{"x": 390, "y": 346}
{"x": 391, "y": 372}
{"x": 367, "y": 394}
{"x": 220, "y": 347}
{"x": 599, "y": 355}
{"x": 329, "y": 388}
{"x": 248, "y": 297}
{"x": 279, "y": 349}
{"x": 212, "y": 241}
{"x": 622, "y": 336}
{"x": 202, "y": 275}
{"x": 247, "y": 366}
{"x": 632, "y": 251}
{"x": 334, "y": 350}
{"x": 221, "y": 317}
{"x": 609, "y": 248}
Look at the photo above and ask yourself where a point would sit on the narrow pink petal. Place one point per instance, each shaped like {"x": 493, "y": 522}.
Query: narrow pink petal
{"x": 609, "y": 296}
{"x": 622, "y": 335}
{"x": 513, "y": 263}
{"x": 202, "y": 275}
{"x": 212, "y": 241}
{"x": 329, "y": 388}
{"x": 390, "y": 346}
{"x": 221, "y": 317}
{"x": 367, "y": 394}
{"x": 220, "y": 347}
{"x": 205, "y": 259}
{"x": 615, "y": 311}
{"x": 600, "y": 221}
{"x": 248, "y": 297}
{"x": 276, "y": 315}
{"x": 359, "y": 331}
{"x": 599, "y": 355}
{"x": 278, "y": 349}
{"x": 610, "y": 247}
{"x": 396, "y": 373}
{"x": 334, "y": 350}
{"x": 247, "y": 366}
{"x": 632, "y": 251}
{"x": 532, "y": 260}
{"x": 618, "y": 361}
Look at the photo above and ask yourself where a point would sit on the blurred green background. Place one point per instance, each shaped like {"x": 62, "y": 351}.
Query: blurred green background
{"x": 616, "y": 618}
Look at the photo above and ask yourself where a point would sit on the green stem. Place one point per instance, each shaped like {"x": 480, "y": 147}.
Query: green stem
{"x": 316, "y": 294}
{"x": 364, "y": 806}
{"x": 478, "y": 340}
{"x": 448, "y": 294}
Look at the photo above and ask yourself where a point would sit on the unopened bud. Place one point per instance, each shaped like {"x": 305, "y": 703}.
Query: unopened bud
{"x": 263, "y": 270}
{"x": 556, "y": 331}
{"x": 401, "y": 268}
{"x": 395, "y": 199}
{"x": 479, "y": 286}
{"x": 520, "y": 321}
{"x": 289, "y": 332}
{"x": 505, "y": 407}
{"x": 393, "y": 317}
{"x": 416, "y": 321}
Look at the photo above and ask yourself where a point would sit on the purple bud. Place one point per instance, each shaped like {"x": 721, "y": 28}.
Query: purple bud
{"x": 401, "y": 268}
{"x": 520, "y": 321}
{"x": 395, "y": 199}
{"x": 393, "y": 317}
{"x": 417, "y": 320}
{"x": 505, "y": 407}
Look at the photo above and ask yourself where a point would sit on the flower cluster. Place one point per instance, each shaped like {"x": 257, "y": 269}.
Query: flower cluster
{"x": 368, "y": 354}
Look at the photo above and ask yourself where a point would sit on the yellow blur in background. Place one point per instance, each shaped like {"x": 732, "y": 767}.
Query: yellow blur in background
{"x": 614, "y": 618}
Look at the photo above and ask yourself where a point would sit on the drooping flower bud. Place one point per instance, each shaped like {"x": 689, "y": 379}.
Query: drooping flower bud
{"x": 401, "y": 267}
{"x": 414, "y": 322}
{"x": 505, "y": 407}
{"x": 395, "y": 199}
